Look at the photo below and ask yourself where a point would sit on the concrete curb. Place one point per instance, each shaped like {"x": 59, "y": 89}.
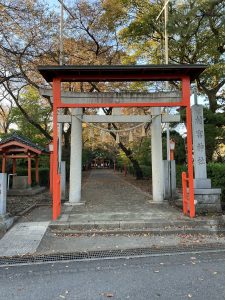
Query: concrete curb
{"x": 139, "y": 232}
{"x": 7, "y": 223}
{"x": 125, "y": 227}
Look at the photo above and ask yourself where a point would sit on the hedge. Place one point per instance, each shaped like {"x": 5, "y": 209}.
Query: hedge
{"x": 43, "y": 175}
{"x": 216, "y": 172}
{"x": 179, "y": 170}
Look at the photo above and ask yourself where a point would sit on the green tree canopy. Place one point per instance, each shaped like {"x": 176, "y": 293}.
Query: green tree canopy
{"x": 39, "y": 111}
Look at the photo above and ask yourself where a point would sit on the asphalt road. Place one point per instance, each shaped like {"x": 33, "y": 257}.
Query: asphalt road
{"x": 188, "y": 276}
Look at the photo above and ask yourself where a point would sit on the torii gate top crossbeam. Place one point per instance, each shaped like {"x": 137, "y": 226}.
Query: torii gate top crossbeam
{"x": 183, "y": 73}
{"x": 121, "y": 72}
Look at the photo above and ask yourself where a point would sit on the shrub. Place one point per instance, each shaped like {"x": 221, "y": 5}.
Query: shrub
{"x": 179, "y": 170}
{"x": 147, "y": 171}
{"x": 216, "y": 172}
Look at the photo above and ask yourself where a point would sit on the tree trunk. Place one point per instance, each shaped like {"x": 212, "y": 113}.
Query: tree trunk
{"x": 66, "y": 135}
{"x": 212, "y": 101}
{"x": 128, "y": 153}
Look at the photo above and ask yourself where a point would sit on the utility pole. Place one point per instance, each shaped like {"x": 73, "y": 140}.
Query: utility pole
{"x": 166, "y": 33}
{"x": 166, "y": 55}
{"x": 167, "y": 84}
{"x": 61, "y": 37}
{"x": 60, "y": 63}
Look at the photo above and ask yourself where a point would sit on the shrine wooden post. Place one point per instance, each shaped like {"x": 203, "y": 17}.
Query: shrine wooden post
{"x": 14, "y": 165}
{"x": 29, "y": 180}
{"x": 3, "y": 163}
{"x": 36, "y": 170}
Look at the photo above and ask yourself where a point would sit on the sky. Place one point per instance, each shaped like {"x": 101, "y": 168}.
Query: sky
{"x": 54, "y": 3}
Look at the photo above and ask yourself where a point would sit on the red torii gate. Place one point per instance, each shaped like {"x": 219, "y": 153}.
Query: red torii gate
{"x": 183, "y": 73}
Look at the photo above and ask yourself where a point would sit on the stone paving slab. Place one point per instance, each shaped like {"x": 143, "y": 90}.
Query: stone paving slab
{"x": 23, "y": 238}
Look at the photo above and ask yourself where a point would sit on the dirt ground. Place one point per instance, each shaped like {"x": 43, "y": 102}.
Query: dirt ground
{"x": 17, "y": 204}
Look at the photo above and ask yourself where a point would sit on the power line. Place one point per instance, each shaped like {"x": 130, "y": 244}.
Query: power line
{"x": 160, "y": 11}
{"x": 66, "y": 8}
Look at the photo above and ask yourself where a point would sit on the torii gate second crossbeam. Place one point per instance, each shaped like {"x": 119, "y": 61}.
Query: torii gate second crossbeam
{"x": 58, "y": 74}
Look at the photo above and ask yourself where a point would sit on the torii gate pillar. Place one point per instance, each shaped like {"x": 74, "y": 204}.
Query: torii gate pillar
{"x": 75, "y": 157}
{"x": 157, "y": 162}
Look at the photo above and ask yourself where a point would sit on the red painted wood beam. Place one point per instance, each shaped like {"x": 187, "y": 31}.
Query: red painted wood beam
{"x": 36, "y": 171}
{"x": 186, "y": 98}
{"x": 139, "y": 77}
{"x": 29, "y": 181}
{"x": 56, "y": 176}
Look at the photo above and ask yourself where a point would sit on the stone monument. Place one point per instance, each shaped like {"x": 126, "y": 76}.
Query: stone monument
{"x": 5, "y": 221}
{"x": 208, "y": 198}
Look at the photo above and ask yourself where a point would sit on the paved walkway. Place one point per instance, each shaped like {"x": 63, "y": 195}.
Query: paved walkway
{"x": 108, "y": 197}
{"x": 111, "y": 205}
{"x": 23, "y": 238}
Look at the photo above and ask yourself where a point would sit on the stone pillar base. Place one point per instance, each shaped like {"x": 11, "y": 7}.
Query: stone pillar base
{"x": 208, "y": 200}
{"x": 6, "y": 222}
{"x": 70, "y": 203}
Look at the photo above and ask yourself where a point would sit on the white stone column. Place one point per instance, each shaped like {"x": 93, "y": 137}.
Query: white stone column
{"x": 63, "y": 180}
{"x": 75, "y": 157}
{"x": 157, "y": 162}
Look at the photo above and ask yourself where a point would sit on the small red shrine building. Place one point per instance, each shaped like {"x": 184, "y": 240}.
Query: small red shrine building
{"x": 17, "y": 147}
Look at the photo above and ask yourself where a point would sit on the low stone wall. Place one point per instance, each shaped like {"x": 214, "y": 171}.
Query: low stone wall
{"x": 20, "y": 182}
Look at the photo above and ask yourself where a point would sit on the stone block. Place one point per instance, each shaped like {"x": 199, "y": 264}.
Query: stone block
{"x": 202, "y": 183}
{"x": 3, "y": 193}
{"x": 208, "y": 208}
{"x": 207, "y": 191}
{"x": 20, "y": 182}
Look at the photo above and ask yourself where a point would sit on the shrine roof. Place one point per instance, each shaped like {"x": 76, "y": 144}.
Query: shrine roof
{"x": 19, "y": 140}
{"x": 121, "y": 72}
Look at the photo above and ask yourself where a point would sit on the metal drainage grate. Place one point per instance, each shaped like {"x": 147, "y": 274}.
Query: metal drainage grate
{"x": 101, "y": 254}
